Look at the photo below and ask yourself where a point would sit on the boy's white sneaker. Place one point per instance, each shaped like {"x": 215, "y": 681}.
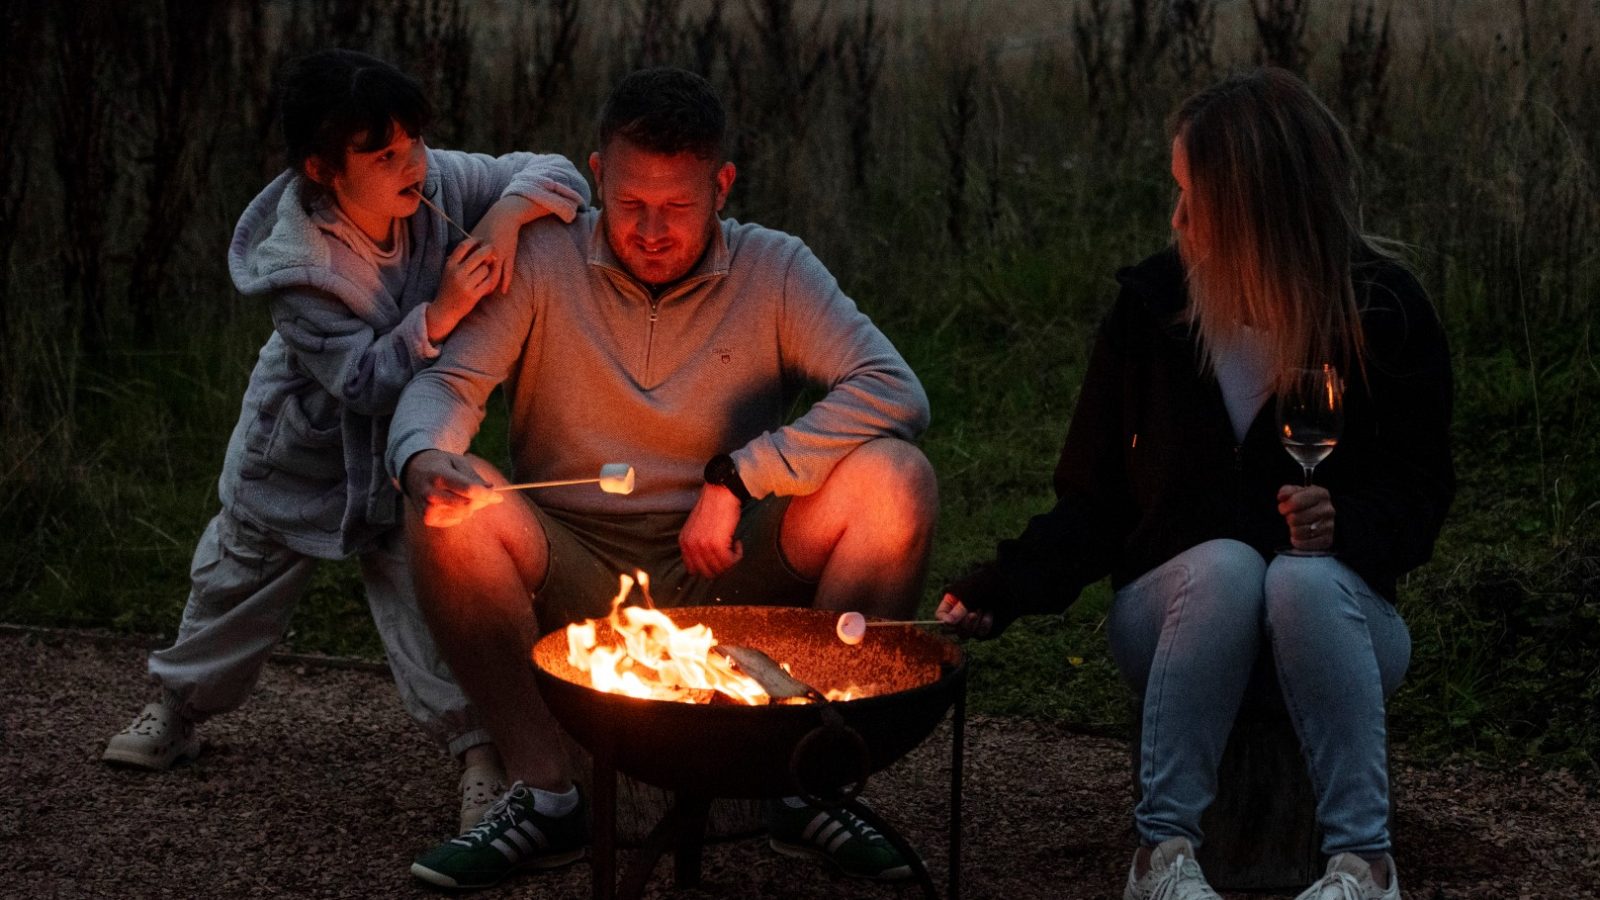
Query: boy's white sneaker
{"x": 1173, "y": 875}
{"x": 1349, "y": 877}
{"x": 155, "y": 739}
{"x": 481, "y": 786}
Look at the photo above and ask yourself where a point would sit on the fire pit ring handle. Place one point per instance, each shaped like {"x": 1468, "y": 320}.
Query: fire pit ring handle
{"x": 823, "y": 740}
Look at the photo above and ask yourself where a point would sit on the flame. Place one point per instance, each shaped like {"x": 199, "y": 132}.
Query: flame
{"x": 656, "y": 659}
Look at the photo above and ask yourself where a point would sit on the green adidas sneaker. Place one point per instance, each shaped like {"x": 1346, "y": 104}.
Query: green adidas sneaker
{"x": 512, "y": 836}
{"x": 838, "y": 837}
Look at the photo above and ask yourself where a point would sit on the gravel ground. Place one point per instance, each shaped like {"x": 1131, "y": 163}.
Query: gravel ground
{"x": 321, "y": 787}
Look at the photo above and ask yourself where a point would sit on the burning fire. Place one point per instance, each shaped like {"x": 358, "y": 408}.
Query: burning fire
{"x": 653, "y": 658}
{"x": 656, "y": 660}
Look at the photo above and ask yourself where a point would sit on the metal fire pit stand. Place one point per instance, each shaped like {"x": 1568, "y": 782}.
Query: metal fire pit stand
{"x": 682, "y": 829}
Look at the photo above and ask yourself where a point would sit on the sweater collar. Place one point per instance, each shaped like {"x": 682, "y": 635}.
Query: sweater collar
{"x": 713, "y": 263}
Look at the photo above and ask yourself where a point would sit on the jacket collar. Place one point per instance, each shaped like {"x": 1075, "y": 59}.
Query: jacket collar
{"x": 1160, "y": 282}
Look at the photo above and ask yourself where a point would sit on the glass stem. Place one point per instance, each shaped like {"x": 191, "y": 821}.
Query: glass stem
{"x": 1308, "y": 474}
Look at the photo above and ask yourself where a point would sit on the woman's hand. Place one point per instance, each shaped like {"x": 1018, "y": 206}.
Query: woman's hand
{"x": 469, "y": 274}
{"x": 1309, "y": 512}
{"x": 954, "y": 613}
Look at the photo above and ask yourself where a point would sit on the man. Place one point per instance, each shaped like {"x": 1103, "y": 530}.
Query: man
{"x": 655, "y": 333}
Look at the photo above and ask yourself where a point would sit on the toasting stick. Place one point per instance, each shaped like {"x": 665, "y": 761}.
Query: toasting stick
{"x": 436, "y": 209}
{"x": 615, "y": 478}
{"x": 853, "y": 626}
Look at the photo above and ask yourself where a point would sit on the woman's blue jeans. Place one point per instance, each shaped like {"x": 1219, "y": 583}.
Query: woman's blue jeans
{"x": 1185, "y": 635}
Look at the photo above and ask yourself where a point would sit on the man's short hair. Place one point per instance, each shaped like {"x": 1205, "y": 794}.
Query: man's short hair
{"x": 665, "y": 110}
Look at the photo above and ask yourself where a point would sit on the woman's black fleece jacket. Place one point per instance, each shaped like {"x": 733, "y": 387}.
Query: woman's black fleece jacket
{"x": 1151, "y": 468}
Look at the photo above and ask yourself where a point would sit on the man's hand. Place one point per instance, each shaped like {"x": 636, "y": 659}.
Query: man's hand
{"x": 1309, "y": 512}
{"x": 954, "y": 613}
{"x": 446, "y": 488}
{"x": 707, "y": 538}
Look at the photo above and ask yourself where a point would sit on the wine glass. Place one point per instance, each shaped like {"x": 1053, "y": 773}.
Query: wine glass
{"x": 1310, "y": 419}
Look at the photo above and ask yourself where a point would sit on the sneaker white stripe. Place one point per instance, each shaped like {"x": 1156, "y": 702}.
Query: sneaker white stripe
{"x": 838, "y": 840}
{"x": 517, "y": 838}
{"x": 533, "y": 832}
{"x": 505, "y": 850}
{"x": 826, "y": 834}
{"x": 817, "y": 822}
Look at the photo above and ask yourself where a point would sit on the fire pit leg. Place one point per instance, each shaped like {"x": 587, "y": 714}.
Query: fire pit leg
{"x": 681, "y": 830}
{"x": 691, "y": 838}
{"x": 603, "y": 836}
{"x": 958, "y": 742}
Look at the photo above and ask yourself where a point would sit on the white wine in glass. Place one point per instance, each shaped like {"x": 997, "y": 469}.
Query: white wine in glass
{"x": 1310, "y": 420}
{"x": 1311, "y": 416}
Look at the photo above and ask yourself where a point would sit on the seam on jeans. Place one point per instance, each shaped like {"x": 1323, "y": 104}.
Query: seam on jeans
{"x": 1319, "y": 784}
{"x": 1146, "y": 757}
{"x": 1318, "y": 780}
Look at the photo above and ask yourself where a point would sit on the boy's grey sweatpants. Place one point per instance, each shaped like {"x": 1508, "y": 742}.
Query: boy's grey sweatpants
{"x": 244, "y": 586}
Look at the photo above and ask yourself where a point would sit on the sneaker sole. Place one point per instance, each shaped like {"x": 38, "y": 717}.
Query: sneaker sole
{"x": 150, "y": 761}
{"x": 801, "y": 851}
{"x": 547, "y": 861}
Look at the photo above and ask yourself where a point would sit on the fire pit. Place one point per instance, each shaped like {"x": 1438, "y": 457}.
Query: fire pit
{"x": 906, "y": 680}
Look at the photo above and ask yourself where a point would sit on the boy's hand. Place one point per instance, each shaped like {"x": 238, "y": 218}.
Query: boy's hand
{"x": 469, "y": 274}
{"x": 499, "y": 228}
{"x": 446, "y": 488}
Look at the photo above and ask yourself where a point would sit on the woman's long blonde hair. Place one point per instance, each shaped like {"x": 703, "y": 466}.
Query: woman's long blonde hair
{"x": 1274, "y": 222}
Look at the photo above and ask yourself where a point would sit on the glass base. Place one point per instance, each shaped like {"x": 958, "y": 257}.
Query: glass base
{"x": 1296, "y": 551}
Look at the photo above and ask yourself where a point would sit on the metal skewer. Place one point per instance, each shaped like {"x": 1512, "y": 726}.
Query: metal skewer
{"x": 615, "y": 478}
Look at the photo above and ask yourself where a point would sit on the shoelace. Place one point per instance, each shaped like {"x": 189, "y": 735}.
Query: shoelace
{"x": 1339, "y": 886}
{"x": 501, "y": 810}
{"x": 1178, "y": 882}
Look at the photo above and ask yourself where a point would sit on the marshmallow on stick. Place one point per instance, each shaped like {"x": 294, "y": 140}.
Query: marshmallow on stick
{"x": 852, "y": 627}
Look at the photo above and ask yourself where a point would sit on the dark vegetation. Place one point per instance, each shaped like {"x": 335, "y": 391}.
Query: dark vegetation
{"x": 973, "y": 172}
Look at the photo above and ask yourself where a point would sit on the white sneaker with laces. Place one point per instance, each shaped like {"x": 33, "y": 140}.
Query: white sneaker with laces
{"x": 1349, "y": 877}
{"x": 481, "y": 786}
{"x": 155, "y": 739}
{"x": 1173, "y": 875}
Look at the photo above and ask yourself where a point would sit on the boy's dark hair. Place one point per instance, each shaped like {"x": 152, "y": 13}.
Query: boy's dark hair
{"x": 329, "y": 98}
{"x": 665, "y": 110}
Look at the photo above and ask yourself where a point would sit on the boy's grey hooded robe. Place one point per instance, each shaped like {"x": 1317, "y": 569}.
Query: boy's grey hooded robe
{"x": 305, "y": 462}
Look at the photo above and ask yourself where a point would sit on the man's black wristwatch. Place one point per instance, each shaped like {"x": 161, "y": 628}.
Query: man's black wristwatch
{"x": 721, "y": 470}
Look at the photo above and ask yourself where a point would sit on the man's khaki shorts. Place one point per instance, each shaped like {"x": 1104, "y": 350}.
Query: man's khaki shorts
{"x": 589, "y": 552}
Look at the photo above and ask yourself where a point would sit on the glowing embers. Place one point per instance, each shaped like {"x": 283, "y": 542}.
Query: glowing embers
{"x": 638, "y": 651}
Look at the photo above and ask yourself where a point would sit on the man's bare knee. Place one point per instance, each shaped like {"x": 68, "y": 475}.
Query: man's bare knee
{"x": 467, "y": 550}
{"x": 884, "y": 490}
{"x": 896, "y": 477}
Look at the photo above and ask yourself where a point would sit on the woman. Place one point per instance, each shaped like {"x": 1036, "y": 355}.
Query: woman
{"x": 1173, "y": 480}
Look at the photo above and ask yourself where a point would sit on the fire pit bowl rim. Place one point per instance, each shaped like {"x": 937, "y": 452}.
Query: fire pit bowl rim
{"x": 744, "y": 751}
